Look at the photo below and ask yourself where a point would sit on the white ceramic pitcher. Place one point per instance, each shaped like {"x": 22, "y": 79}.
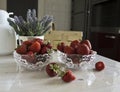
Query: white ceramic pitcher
{"x": 7, "y": 35}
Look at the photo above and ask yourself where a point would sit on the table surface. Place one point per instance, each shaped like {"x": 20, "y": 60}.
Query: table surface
{"x": 107, "y": 80}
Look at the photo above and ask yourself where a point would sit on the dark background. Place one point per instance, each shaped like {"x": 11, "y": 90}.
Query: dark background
{"x": 20, "y": 7}
{"x": 100, "y": 22}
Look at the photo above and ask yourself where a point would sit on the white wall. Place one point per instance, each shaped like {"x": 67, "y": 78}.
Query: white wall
{"x": 60, "y": 9}
{"x": 40, "y": 8}
{"x": 3, "y": 4}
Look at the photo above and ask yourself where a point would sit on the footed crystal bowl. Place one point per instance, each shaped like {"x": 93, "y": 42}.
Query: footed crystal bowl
{"x": 76, "y": 61}
{"x": 34, "y": 62}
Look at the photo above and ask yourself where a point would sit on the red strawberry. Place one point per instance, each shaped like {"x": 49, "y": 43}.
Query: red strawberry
{"x": 51, "y": 69}
{"x": 99, "y": 66}
{"x": 49, "y": 45}
{"x": 68, "y": 76}
{"x": 61, "y": 46}
{"x": 83, "y": 49}
{"x": 75, "y": 44}
{"x": 29, "y": 57}
{"x": 28, "y": 42}
{"x": 38, "y": 40}
{"x": 87, "y": 42}
{"x": 75, "y": 58}
{"x": 35, "y": 47}
{"x": 44, "y": 50}
{"x": 68, "y": 50}
{"x": 30, "y": 53}
{"x": 22, "y": 49}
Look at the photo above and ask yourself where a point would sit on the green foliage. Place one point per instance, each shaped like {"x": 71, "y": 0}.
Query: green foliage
{"x": 31, "y": 26}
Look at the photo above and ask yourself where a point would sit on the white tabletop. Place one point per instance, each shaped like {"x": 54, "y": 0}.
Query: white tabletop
{"x": 11, "y": 80}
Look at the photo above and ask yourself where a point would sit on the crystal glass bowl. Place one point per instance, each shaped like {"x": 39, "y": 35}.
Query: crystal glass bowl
{"x": 76, "y": 61}
{"x": 35, "y": 62}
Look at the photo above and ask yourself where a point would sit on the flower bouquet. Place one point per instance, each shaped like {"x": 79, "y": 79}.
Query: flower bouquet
{"x": 31, "y": 26}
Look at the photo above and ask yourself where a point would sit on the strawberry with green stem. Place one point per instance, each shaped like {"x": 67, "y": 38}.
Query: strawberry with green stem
{"x": 54, "y": 69}
{"x": 68, "y": 76}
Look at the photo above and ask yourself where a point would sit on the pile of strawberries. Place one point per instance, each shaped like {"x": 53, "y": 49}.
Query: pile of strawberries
{"x": 30, "y": 48}
{"x": 76, "y": 47}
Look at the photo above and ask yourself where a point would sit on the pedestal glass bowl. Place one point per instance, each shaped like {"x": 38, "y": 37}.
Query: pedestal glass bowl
{"x": 36, "y": 62}
{"x": 76, "y": 61}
